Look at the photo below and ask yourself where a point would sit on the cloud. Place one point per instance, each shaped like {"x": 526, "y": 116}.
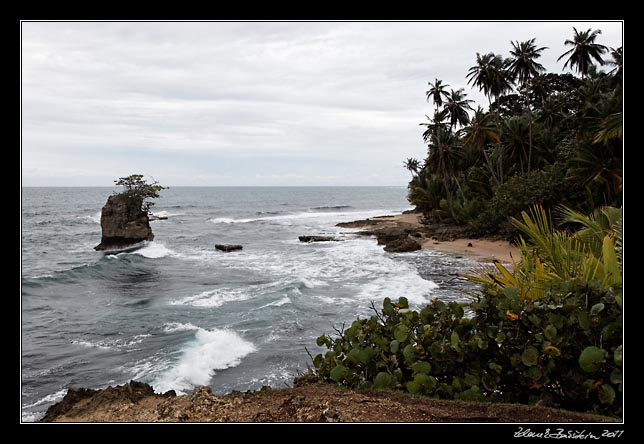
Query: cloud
{"x": 256, "y": 103}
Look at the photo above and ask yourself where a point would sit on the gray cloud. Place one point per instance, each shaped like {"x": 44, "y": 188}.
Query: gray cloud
{"x": 256, "y": 103}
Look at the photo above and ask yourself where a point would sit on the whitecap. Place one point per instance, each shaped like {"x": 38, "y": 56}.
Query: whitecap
{"x": 211, "y": 350}
{"x": 164, "y": 213}
{"x": 278, "y": 303}
{"x": 213, "y": 298}
{"x": 49, "y": 398}
{"x": 91, "y": 344}
{"x": 153, "y": 250}
{"x": 171, "y": 327}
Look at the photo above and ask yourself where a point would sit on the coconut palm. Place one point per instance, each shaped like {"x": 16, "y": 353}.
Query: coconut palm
{"x": 584, "y": 50}
{"x": 523, "y": 68}
{"x": 617, "y": 56}
{"x": 437, "y": 93}
{"x": 457, "y": 107}
{"x": 480, "y": 133}
{"x": 490, "y": 76}
{"x": 412, "y": 165}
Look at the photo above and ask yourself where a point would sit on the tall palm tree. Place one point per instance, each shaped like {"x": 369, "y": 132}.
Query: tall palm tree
{"x": 479, "y": 134}
{"x": 437, "y": 92}
{"x": 412, "y": 165}
{"x": 490, "y": 76}
{"x": 457, "y": 107}
{"x": 523, "y": 68}
{"x": 584, "y": 50}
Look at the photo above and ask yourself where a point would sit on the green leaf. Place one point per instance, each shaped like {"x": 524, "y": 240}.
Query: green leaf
{"x": 322, "y": 340}
{"x": 384, "y": 381}
{"x": 530, "y": 356}
{"x": 596, "y": 309}
{"x": 401, "y": 333}
{"x": 454, "y": 341}
{"x": 421, "y": 367}
{"x": 617, "y": 356}
{"x": 413, "y": 387}
{"x": 550, "y": 332}
{"x": 408, "y": 353}
{"x": 583, "y": 320}
{"x": 394, "y": 346}
{"x": 495, "y": 367}
{"x": 606, "y": 394}
{"x": 591, "y": 359}
{"x": 317, "y": 361}
{"x": 338, "y": 373}
{"x": 403, "y": 302}
{"x": 510, "y": 292}
{"x": 470, "y": 379}
{"x": 551, "y": 350}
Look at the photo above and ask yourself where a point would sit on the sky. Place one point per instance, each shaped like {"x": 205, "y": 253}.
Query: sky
{"x": 248, "y": 103}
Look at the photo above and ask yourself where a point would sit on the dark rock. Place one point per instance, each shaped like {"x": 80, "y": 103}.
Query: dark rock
{"x": 131, "y": 392}
{"x": 388, "y": 234}
{"x": 65, "y": 405}
{"x": 416, "y": 234}
{"x": 228, "y": 247}
{"x": 122, "y": 224}
{"x": 469, "y": 244}
{"x": 153, "y": 217}
{"x": 402, "y": 245}
{"x": 316, "y": 239}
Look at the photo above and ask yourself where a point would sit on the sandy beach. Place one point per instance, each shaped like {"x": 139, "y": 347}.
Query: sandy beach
{"x": 484, "y": 249}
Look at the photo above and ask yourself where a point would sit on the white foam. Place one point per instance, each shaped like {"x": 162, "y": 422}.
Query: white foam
{"x": 153, "y": 250}
{"x": 49, "y": 398}
{"x": 92, "y": 218}
{"x": 416, "y": 289}
{"x": 91, "y": 344}
{"x": 211, "y": 350}
{"x": 171, "y": 327}
{"x": 166, "y": 214}
{"x": 278, "y": 303}
{"x": 307, "y": 283}
{"x": 213, "y": 298}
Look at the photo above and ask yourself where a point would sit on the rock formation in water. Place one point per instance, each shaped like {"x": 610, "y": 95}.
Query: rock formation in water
{"x": 228, "y": 247}
{"x": 309, "y": 239}
{"x": 123, "y": 224}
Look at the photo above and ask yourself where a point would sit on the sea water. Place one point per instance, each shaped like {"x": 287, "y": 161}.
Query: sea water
{"x": 177, "y": 313}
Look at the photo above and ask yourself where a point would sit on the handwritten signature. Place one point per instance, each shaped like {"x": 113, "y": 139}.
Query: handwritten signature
{"x": 566, "y": 434}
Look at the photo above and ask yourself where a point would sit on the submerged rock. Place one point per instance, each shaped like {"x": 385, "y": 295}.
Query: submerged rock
{"x": 228, "y": 247}
{"x": 123, "y": 224}
{"x": 309, "y": 239}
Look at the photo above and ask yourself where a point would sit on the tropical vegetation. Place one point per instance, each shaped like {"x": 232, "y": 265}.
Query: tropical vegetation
{"x": 546, "y": 138}
{"x": 543, "y": 163}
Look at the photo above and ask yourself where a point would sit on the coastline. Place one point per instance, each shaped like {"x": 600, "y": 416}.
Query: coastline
{"x": 443, "y": 238}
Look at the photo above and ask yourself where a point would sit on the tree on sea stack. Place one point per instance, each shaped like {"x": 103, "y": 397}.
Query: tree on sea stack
{"x": 125, "y": 216}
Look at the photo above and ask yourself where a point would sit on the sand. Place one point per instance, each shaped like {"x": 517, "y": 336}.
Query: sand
{"x": 483, "y": 249}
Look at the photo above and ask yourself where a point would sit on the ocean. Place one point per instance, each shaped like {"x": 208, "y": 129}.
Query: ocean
{"x": 178, "y": 314}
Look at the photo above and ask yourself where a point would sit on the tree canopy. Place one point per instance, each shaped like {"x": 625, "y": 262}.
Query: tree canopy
{"x": 138, "y": 191}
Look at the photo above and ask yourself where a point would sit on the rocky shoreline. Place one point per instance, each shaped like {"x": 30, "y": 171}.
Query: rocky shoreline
{"x": 308, "y": 401}
{"x": 407, "y": 232}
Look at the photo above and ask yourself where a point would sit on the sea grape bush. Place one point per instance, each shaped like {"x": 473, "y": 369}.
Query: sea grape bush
{"x": 562, "y": 350}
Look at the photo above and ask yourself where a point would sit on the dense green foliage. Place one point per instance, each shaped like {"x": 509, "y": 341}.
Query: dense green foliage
{"x": 548, "y": 331}
{"x": 137, "y": 190}
{"x": 547, "y": 138}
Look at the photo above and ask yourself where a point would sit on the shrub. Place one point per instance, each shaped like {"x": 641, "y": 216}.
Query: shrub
{"x": 137, "y": 190}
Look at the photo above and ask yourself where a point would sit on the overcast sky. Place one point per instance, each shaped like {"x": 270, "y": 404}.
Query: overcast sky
{"x": 252, "y": 103}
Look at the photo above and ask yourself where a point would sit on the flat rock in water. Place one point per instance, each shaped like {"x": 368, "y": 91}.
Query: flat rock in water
{"x": 228, "y": 247}
{"x": 316, "y": 238}
{"x": 402, "y": 245}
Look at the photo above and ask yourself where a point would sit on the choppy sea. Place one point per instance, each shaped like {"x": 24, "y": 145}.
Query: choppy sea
{"x": 176, "y": 313}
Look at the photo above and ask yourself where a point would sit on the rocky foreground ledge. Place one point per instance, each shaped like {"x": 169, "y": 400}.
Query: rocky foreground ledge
{"x": 306, "y": 402}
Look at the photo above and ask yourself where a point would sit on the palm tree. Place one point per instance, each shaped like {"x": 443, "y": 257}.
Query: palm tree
{"x": 437, "y": 92}
{"x": 584, "y": 50}
{"x": 490, "y": 76}
{"x": 617, "y": 56}
{"x": 412, "y": 165}
{"x": 457, "y": 106}
{"x": 523, "y": 69}
{"x": 479, "y": 134}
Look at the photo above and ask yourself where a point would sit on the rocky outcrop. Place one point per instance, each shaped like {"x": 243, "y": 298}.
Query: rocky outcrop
{"x": 308, "y": 402}
{"x": 403, "y": 244}
{"x": 123, "y": 224}
{"x": 228, "y": 247}
{"x": 309, "y": 239}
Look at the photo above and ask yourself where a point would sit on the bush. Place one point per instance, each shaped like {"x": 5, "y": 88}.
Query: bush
{"x": 547, "y": 187}
{"x": 563, "y": 350}
{"x": 137, "y": 190}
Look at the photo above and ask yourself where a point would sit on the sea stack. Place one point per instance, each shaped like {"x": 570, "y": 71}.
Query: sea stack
{"x": 123, "y": 224}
